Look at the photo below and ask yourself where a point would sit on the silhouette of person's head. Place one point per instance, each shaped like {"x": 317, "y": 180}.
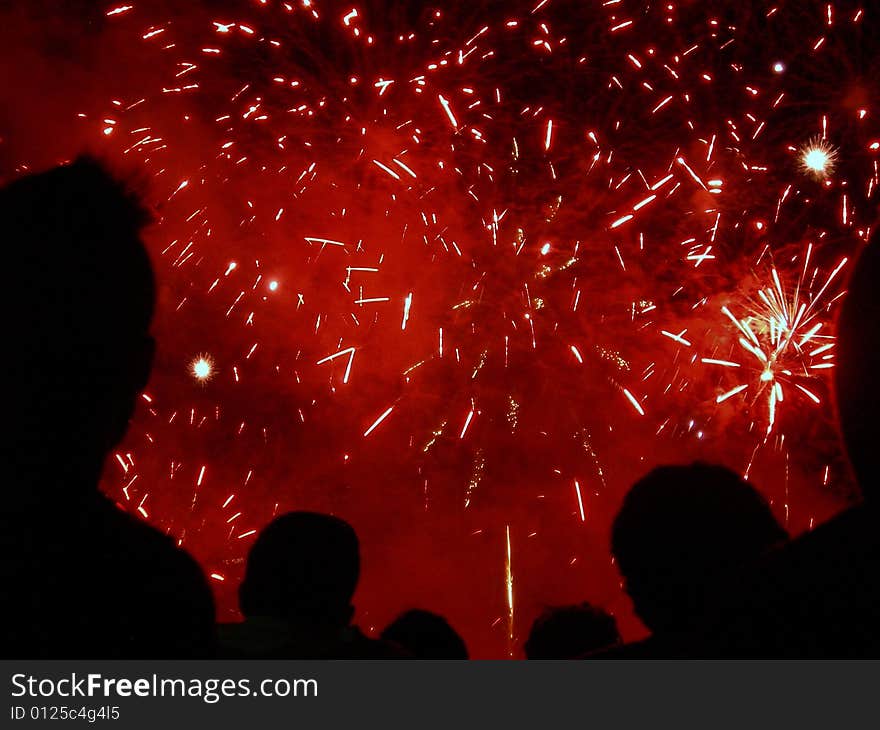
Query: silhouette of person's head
{"x": 857, "y": 370}
{"x": 302, "y": 569}
{"x": 568, "y": 632}
{"x": 425, "y": 635}
{"x": 680, "y": 533}
{"x": 81, "y": 300}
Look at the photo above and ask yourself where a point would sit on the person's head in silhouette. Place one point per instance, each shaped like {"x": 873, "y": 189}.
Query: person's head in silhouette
{"x": 303, "y": 569}
{"x": 81, "y": 293}
{"x": 681, "y": 532}
{"x": 425, "y": 635}
{"x": 857, "y": 370}
{"x": 88, "y": 579}
{"x": 568, "y": 632}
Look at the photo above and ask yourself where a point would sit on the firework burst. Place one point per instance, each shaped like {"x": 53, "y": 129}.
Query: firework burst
{"x": 784, "y": 342}
{"x": 455, "y": 260}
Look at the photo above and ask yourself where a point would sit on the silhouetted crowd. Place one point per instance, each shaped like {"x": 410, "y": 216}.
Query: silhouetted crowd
{"x": 709, "y": 569}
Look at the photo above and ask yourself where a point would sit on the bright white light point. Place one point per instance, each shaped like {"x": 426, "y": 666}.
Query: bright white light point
{"x": 779, "y": 67}
{"x": 632, "y": 399}
{"x": 577, "y": 489}
{"x": 202, "y": 368}
{"x": 767, "y": 376}
{"x": 378, "y": 421}
{"x": 407, "y": 305}
{"x": 467, "y": 423}
{"x": 273, "y": 285}
{"x": 817, "y": 158}
{"x": 545, "y": 249}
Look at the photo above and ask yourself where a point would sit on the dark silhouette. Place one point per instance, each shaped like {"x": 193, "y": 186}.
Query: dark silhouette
{"x": 681, "y": 535}
{"x": 569, "y": 632}
{"x": 425, "y": 635}
{"x": 81, "y": 578}
{"x": 296, "y": 595}
{"x": 858, "y": 364}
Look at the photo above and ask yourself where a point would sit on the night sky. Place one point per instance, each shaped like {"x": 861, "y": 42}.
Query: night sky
{"x": 460, "y": 273}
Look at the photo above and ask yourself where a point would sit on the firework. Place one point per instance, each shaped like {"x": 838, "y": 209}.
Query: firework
{"x": 784, "y": 340}
{"x": 455, "y": 261}
{"x": 817, "y": 158}
{"x": 202, "y": 368}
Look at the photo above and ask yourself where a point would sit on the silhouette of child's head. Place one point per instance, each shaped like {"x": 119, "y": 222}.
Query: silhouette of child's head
{"x": 857, "y": 370}
{"x": 568, "y": 632}
{"x": 81, "y": 294}
{"x": 426, "y": 635}
{"x": 682, "y": 530}
{"x": 303, "y": 567}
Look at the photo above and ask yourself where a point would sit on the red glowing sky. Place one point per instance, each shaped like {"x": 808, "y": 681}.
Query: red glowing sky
{"x": 511, "y": 229}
